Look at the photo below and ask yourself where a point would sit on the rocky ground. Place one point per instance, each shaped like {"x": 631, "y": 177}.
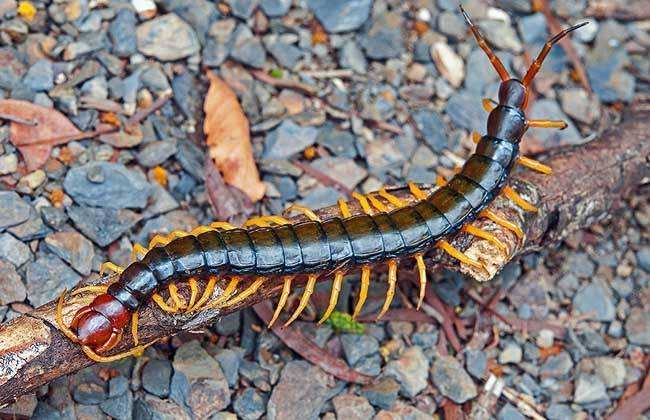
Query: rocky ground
{"x": 387, "y": 91}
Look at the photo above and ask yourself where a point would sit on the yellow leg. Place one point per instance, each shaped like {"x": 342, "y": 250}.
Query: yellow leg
{"x": 135, "y": 351}
{"x": 440, "y": 181}
{"x": 343, "y": 207}
{"x": 304, "y": 299}
{"x": 158, "y": 300}
{"x": 138, "y": 252}
{"x": 91, "y": 289}
{"x": 334, "y": 296}
{"x": 222, "y": 226}
{"x": 265, "y": 221}
{"x": 547, "y": 124}
{"x": 201, "y": 229}
{"x": 134, "y": 328}
{"x": 229, "y": 291}
{"x": 363, "y": 291}
{"x": 503, "y": 222}
{"x": 519, "y": 200}
{"x": 363, "y": 202}
{"x": 250, "y": 290}
{"x": 488, "y": 104}
{"x": 422, "y": 270}
{"x": 286, "y": 289}
{"x": 59, "y": 318}
{"x": 304, "y": 210}
{"x": 376, "y": 203}
{"x": 392, "y": 199}
{"x": 446, "y": 246}
{"x": 534, "y": 165}
{"x": 416, "y": 191}
{"x": 476, "y": 137}
{"x": 164, "y": 240}
{"x": 176, "y": 298}
{"x": 473, "y": 230}
{"x": 194, "y": 292}
{"x": 392, "y": 281}
{"x": 207, "y": 294}
{"x": 110, "y": 267}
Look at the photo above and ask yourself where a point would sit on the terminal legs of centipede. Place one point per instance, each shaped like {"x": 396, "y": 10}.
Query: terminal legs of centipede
{"x": 99, "y": 326}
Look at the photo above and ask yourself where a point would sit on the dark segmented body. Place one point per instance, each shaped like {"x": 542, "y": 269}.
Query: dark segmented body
{"x": 311, "y": 246}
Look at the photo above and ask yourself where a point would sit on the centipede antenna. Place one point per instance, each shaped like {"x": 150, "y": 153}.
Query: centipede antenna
{"x": 537, "y": 64}
{"x": 496, "y": 63}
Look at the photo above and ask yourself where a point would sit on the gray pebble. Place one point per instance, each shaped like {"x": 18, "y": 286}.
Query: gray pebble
{"x": 452, "y": 380}
{"x": 382, "y": 393}
{"x": 340, "y": 15}
{"x": 410, "y": 371}
{"x": 73, "y": 248}
{"x": 356, "y": 347}
{"x": 637, "y": 327}
{"x": 40, "y": 76}
{"x": 589, "y": 389}
{"x": 102, "y": 226}
{"x": 12, "y": 288}
{"x": 13, "y": 250}
{"x": 156, "y": 377}
{"x": 593, "y": 299}
{"x": 275, "y": 8}
{"x": 13, "y": 209}
{"x": 288, "y": 139}
{"x": 247, "y": 48}
{"x": 432, "y": 128}
{"x": 122, "y": 33}
{"x": 167, "y": 38}
{"x": 250, "y": 405}
{"x": 157, "y": 152}
{"x": 47, "y": 277}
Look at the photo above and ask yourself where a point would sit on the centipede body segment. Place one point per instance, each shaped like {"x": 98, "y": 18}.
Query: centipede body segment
{"x": 388, "y": 230}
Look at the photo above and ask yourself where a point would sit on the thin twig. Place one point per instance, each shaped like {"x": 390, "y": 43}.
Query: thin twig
{"x": 284, "y": 83}
{"x": 328, "y": 74}
{"x": 322, "y": 177}
{"x": 18, "y": 120}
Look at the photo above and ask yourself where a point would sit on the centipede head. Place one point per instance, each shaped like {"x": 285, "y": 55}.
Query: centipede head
{"x": 100, "y": 324}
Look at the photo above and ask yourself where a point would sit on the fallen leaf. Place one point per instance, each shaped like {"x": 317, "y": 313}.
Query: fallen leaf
{"x": 228, "y": 139}
{"x": 51, "y": 124}
{"x": 228, "y": 203}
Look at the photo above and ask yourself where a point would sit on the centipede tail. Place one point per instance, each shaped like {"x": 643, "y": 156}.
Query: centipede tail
{"x": 236, "y": 263}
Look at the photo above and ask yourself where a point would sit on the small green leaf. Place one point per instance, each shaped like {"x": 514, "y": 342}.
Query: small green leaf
{"x": 342, "y": 322}
{"x": 277, "y": 73}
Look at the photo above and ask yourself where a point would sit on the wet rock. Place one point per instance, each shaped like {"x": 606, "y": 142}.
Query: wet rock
{"x": 352, "y": 407}
{"x": 167, "y": 38}
{"x": 47, "y": 277}
{"x": 300, "y": 393}
{"x": 342, "y": 169}
{"x": 610, "y": 370}
{"x": 288, "y": 139}
{"x": 556, "y": 366}
{"x": 410, "y": 371}
{"x": 452, "y": 380}
{"x": 157, "y": 152}
{"x": 13, "y": 250}
{"x": 250, "y": 405}
{"x": 340, "y": 15}
{"x": 40, "y": 76}
{"x": 102, "y": 226}
{"x": 275, "y": 8}
{"x": 122, "y": 33}
{"x": 73, "y": 248}
{"x": 12, "y": 288}
{"x": 156, "y": 377}
{"x": 13, "y": 210}
{"x": 381, "y": 394}
{"x": 109, "y": 185}
{"x": 208, "y": 390}
{"x": 593, "y": 299}
{"x": 247, "y": 48}
{"x": 637, "y": 327}
{"x": 351, "y": 56}
{"x": 431, "y": 126}
{"x": 589, "y": 389}
{"x": 449, "y": 64}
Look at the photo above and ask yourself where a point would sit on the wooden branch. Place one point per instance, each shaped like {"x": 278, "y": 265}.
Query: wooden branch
{"x": 588, "y": 184}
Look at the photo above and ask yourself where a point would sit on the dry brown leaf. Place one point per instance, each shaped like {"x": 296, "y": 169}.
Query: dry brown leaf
{"x": 51, "y": 124}
{"x": 228, "y": 139}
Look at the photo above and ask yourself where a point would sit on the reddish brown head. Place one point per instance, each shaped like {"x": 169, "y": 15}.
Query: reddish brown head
{"x": 100, "y": 324}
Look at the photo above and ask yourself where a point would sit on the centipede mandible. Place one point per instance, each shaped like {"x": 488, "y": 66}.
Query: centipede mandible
{"x": 239, "y": 260}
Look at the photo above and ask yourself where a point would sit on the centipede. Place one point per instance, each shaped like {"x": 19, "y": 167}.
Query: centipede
{"x": 389, "y": 229}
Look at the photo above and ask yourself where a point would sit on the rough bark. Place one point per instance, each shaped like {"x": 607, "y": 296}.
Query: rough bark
{"x": 588, "y": 184}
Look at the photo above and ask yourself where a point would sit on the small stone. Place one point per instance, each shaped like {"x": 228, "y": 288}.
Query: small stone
{"x": 40, "y": 76}
{"x": 511, "y": 353}
{"x": 508, "y": 412}
{"x": 89, "y": 393}
{"x": 356, "y": 347}
{"x": 559, "y": 412}
{"x": 12, "y": 288}
{"x": 589, "y": 389}
{"x": 351, "y": 56}
{"x": 243, "y": 9}
{"x": 154, "y": 408}
{"x": 103, "y": 226}
{"x": 416, "y": 72}
{"x": 551, "y": 110}
{"x": 545, "y": 338}
{"x": 432, "y": 128}
{"x": 157, "y": 152}
{"x": 13, "y": 250}
{"x": 383, "y": 43}
{"x": 643, "y": 258}
{"x": 611, "y": 371}
{"x": 466, "y": 112}
{"x": 229, "y": 361}
{"x": 33, "y": 228}
{"x": 167, "y": 38}
{"x": 476, "y": 362}
{"x": 46, "y": 278}
{"x": 208, "y": 390}
{"x": 8, "y": 164}
{"x": 275, "y": 8}
{"x": 556, "y": 366}
{"x": 250, "y": 405}
{"x": 247, "y": 48}
{"x": 452, "y": 380}
{"x": 410, "y": 371}
{"x": 73, "y": 248}
{"x": 579, "y": 105}
{"x": 109, "y": 185}
{"x": 33, "y": 180}
{"x": 501, "y": 34}
{"x": 288, "y": 139}
{"x": 340, "y": 15}
{"x": 343, "y": 169}
{"x": 339, "y": 142}
{"x": 13, "y": 209}
{"x": 97, "y": 87}
{"x": 381, "y": 394}
{"x": 156, "y": 377}
{"x": 287, "y": 55}
{"x": 593, "y": 299}
{"x": 122, "y": 33}
{"x": 301, "y": 392}
{"x": 352, "y": 407}
{"x": 120, "y": 407}
{"x": 637, "y": 327}
{"x": 451, "y": 24}
{"x": 449, "y": 64}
